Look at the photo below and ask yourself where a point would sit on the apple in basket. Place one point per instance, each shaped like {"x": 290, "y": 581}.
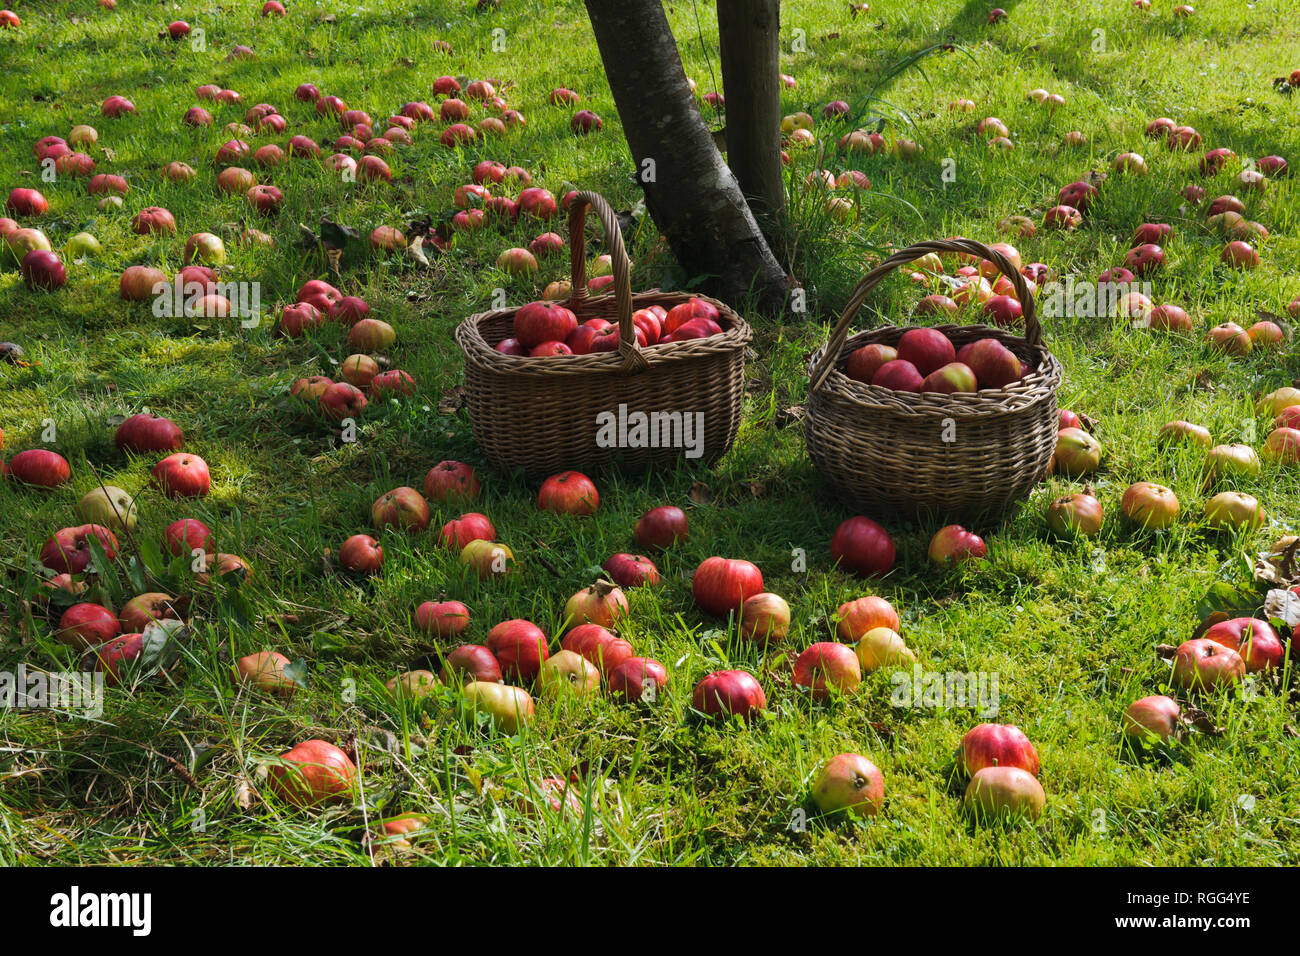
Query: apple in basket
{"x": 543, "y": 321}
{"x": 927, "y": 349}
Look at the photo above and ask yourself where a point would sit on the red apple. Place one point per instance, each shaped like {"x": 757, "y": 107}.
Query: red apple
{"x": 631, "y": 570}
{"x": 470, "y": 662}
{"x": 722, "y": 585}
{"x": 473, "y": 526}
{"x": 1157, "y": 715}
{"x": 313, "y": 773}
{"x": 67, "y": 551}
{"x": 182, "y": 475}
{"x": 442, "y": 619}
{"x": 596, "y": 644}
{"x": 86, "y": 625}
{"x": 146, "y": 432}
{"x": 361, "y": 553}
{"x": 638, "y": 678}
{"x": 1077, "y": 452}
{"x": 729, "y": 693}
{"x": 1075, "y": 515}
{"x": 898, "y": 375}
{"x": 661, "y": 528}
{"x": 863, "y": 363}
{"x": 1150, "y": 505}
{"x": 402, "y": 508}
{"x": 1254, "y": 640}
{"x": 994, "y": 365}
{"x": 926, "y": 349}
{"x": 520, "y": 646}
{"x": 1004, "y": 792}
{"x": 569, "y": 492}
{"x": 183, "y": 536}
{"x": 998, "y": 745}
{"x": 825, "y": 668}
{"x": 855, "y": 618}
{"x": 849, "y": 783}
{"x": 543, "y": 321}
{"x": 863, "y": 546}
{"x": 40, "y": 467}
{"x": 953, "y": 544}
{"x": 42, "y": 270}
{"x": 1203, "y": 664}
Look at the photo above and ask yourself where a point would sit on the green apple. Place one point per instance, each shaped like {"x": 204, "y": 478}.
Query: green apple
{"x": 108, "y": 506}
{"x": 83, "y": 244}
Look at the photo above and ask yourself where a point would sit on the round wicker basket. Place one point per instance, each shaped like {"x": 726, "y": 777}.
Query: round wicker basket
{"x": 966, "y": 454}
{"x": 660, "y": 406}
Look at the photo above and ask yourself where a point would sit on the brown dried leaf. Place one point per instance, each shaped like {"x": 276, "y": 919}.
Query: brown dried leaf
{"x": 701, "y": 493}
{"x": 1199, "y": 719}
{"x": 452, "y": 400}
{"x": 1167, "y": 651}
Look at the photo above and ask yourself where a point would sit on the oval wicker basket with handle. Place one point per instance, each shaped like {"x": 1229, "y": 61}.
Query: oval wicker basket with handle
{"x": 669, "y": 403}
{"x": 887, "y": 451}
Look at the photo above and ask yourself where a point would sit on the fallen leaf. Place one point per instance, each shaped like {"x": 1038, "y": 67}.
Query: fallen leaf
{"x": 701, "y": 493}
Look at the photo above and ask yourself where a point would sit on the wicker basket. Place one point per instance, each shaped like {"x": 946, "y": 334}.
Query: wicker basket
{"x": 885, "y": 451}
{"x": 546, "y": 414}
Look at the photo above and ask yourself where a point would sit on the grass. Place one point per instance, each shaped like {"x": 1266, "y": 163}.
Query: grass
{"x": 171, "y": 773}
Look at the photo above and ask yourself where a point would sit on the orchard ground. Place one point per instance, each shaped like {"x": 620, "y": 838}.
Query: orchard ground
{"x": 170, "y": 774}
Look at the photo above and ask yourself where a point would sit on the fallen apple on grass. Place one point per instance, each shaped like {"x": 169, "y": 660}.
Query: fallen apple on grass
{"x": 184, "y": 536}
{"x": 638, "y": 679}
{"x": 1004, "y": 792}
{"x": 998, "y": 745}
{"x": 827, "y": 668}
{"x": 182, "y": 475}
{"x": 403, "y": 508}
{"x": 1203, "y": 664}
{"x": 856, "y": 618}
{"x": 602, "y": 603}
{"x": 569, "y": 492}
{"x": 863, "y": 546}
{"x": 1254, "y": 640}
{"x": 953, "y": 544}
{"x": 849, "y": 783}
{"x": 568, "y": 673}
{"x": 509, "y": 707}
{"x": 1076, "y": 515}
{"x": 487, "y": 558}
{"x": 109, "y": 506}
{"x": 1149, "y": 505}
{"x": 412, "y": 686}
{"x": 468, "y": 663}
{"x": 1186, "y": 432}
{"x": 1232, "y": 461}
{"x": 520, "y": 647}
{"x": 1157, "y": 716}
{"x": 87, "y": 625}
{"x": 40, "y": 467}
{"x": 147, "y": 432}
{"x": 472, "y": 526}
{"x": 265, "y": 670}
{"x": 729, "y": 693}
{"x": 631, "y": 570}
{"x": 882, "y": 647}
{"x": 361, "y": 553}
{"x": 312, "y": 773}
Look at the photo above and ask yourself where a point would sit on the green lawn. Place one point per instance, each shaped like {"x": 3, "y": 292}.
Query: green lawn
{"x": 171, "y": 774}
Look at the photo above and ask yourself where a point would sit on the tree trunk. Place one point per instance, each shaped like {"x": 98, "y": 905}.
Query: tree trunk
{"x": 690, "y": 192}
{"x": 750, "y": 37}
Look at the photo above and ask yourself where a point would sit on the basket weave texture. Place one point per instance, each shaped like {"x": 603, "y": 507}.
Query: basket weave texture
{"x": 966, "y": 454}
{"x": 545, "y": 414}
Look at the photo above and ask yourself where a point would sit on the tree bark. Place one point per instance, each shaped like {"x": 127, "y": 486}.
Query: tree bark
{"x": 749, "y": 34}
{"x": 691, "y": 194}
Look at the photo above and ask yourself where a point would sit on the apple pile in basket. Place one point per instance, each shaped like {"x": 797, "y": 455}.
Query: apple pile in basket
{"x": 927, "y": 361}
{"x": 548, "y": 328}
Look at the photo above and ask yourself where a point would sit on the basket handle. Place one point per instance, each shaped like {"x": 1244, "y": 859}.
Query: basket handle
{"x": 1033, "y": 330}
{"x": 628, "y": 348}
